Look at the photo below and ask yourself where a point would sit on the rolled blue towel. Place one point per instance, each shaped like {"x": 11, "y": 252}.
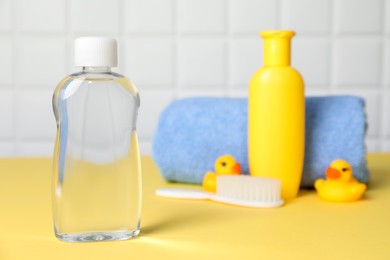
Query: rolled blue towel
{"x": 192, "y": 133}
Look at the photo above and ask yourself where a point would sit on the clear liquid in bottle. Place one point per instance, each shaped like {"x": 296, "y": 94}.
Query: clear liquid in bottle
{"x": 97, "y": 170}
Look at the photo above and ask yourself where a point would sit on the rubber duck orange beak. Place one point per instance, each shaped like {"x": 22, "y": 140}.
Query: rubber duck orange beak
{"x": 332, "y": 173}
{"x": 236, "y": 169}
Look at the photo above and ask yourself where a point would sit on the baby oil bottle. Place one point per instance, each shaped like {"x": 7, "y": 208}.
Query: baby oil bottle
{"x": 97, "y": 171}
{"x": 276, "y": 116}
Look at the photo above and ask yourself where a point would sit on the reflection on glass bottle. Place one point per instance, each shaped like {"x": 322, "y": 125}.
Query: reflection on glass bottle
{"x": 97, "y": 171}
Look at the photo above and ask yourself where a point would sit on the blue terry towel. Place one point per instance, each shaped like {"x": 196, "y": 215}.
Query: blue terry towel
{"x": 192, "y": 133}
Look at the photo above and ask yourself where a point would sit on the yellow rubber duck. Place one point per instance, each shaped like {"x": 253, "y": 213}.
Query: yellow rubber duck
{"x": 340, "y": 185}
{"x": 225, "y": 164}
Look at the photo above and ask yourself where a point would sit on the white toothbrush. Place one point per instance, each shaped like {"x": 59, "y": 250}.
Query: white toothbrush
{"x": 241, "y": 190}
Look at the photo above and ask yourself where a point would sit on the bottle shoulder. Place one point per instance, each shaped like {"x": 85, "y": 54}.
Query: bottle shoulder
{"x": 277, "y": 73}
{"x": 73, "y": 82}
{"x": 277, "y": 69}
{"x": 283, "y": 77}
{"x": 101, "y": 75}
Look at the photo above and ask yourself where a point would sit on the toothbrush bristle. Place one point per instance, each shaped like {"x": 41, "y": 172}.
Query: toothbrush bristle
{"x": 249, "y": 189}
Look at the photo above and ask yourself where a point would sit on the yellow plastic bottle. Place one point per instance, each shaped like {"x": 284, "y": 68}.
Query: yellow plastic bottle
{"x": 276, "y": 116}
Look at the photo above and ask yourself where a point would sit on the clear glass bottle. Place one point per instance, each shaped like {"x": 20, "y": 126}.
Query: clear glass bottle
{"x": 97, "y": 171}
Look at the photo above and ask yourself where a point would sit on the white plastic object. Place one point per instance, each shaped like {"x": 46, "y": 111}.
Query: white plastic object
{"x": 240, "y": 190}
{"x": 95, "y": 51}
{"x": 183, "y": 193}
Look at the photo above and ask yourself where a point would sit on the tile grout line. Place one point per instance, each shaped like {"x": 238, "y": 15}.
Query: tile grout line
{"x": 331, "y": 61}
{"x": 382, "y": 90}
{"x": 279, "y": 14}
{"x": 123, "y": 40}
{"x": 175, "y": 52}
{"x": 69, "y": 36}
{"x": 244, "y": 35}
{"x": 16, "y": 90}
{"x": 228, "y": 38}
{"x": 19, "y": 37}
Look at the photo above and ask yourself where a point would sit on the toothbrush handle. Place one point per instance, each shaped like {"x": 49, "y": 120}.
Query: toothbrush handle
{"x": 182, "y": 193}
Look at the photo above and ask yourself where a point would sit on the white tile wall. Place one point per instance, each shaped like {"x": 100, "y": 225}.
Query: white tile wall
{"x": 373, "y": 105}
{"x": 152, "y": 103}
{"x": 7, "y": 148}
{"x": 34, "y": 116}
{"x": 387, "y": 16}
{"x": 373, "y": 145}
{"x": 311, "y": 57}
{"x": 180, "y": 48}
{"x": 32, "y": 17}
{"x": 40, "y": 61}
{"x": 252, "y": 16}
{"x": 308, "y": 16}
{"x": 6, "y": 61}
{"x": 357, "y": 61}
{"x": 95, "y": 16}
{"x": 148, "y": 16}
{"x": 7, "y": 115}
{"x": 201, "y": 62}
{"x": 34, "y": 148}
{"x": 386, "y": 114}
{"x": 245, "y": 55}
{"x": 201, "y": 16}
{"x": 386, "y": 146}
{"x": 150, "y": 61}
{"x": 386, "y": 56}
{"x": 358, "y": 16}
{"x": 5, "y": 15}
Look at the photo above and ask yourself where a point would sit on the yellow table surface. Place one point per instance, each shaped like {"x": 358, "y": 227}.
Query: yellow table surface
{"x": 305, "y": 228}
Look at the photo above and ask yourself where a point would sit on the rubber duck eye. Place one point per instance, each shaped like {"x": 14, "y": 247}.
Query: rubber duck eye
{"x": 345, "y": 169}
{"x": 223, "y": 164}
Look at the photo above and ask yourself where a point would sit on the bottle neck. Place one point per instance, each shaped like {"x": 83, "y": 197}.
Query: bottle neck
{"x": 96, "y": 69}
{"x": 277, "y": 47}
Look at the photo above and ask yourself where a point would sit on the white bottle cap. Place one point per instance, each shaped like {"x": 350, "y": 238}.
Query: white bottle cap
{"x": 95, "y": 51}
